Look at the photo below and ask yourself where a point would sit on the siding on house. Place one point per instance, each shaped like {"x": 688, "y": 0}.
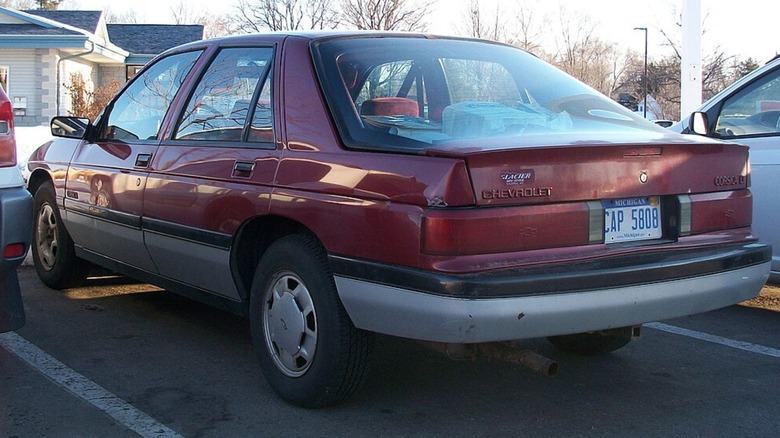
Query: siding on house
{"x": 24, "y": 81}
{"x": 111, "y": 73}
{"x": 40, "y": 72}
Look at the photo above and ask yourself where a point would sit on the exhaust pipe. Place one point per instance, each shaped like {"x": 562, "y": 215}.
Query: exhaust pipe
{"x": 497, "y": 351}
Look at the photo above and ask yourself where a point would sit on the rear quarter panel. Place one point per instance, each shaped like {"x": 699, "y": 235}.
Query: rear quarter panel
{"x": 765, "y": 186}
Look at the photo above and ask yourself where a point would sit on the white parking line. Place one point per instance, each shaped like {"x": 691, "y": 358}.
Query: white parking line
{"x": 94, "y": 394}
{"x": 740, "y": 345}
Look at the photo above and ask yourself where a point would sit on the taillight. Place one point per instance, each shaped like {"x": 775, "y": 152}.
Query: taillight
{"x": 7, "y": 143}
{"x": 508, "y": 229}
{"x": 504, "y": 229}
{"x": 14, "y": 250}
{"x": 719, "y": 211}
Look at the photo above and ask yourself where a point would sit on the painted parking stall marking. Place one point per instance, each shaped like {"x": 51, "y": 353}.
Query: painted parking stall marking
{"x": 121, "y": 411}
{"x": 740, "y": 345}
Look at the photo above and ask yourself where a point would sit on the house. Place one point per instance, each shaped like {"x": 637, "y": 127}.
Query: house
{"x": 40, "y": 50}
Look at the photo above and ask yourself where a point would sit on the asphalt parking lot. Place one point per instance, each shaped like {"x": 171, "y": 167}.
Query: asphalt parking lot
{"x": 118, "y": 359}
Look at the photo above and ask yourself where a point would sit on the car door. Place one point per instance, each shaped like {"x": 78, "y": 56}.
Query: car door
{"x": 214, "y": 171}
{"x": 105, "y": 181}
{"x": 750, "y": 115}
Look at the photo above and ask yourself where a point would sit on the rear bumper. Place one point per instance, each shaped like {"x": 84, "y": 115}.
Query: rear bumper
{"x": 15, "y": 223}
{"x": 15, "y": 228}
{"x": 713, "y": 280}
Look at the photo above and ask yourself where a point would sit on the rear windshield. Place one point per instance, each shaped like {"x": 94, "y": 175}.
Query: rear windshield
{"x": 411, "y": 93}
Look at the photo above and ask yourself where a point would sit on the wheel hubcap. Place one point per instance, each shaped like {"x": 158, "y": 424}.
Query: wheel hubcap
{"x": 290, "y": 324}
{"x": 46, "y": 237}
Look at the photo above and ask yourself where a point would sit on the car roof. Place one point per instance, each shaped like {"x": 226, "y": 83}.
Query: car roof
{"x": 310, "y": 35}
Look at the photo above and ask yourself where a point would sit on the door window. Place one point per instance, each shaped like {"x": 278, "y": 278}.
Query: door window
{"x": 139, "y": 111}
{"x": 222, "y": 102}
{"x": 753, "y": 110}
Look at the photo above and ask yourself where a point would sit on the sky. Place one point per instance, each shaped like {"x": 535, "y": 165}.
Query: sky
{"x": 740, "y": 28}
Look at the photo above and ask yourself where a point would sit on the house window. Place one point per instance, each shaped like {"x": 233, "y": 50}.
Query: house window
{"x": 132, "y": 70}
{"x": 4, "y": 78}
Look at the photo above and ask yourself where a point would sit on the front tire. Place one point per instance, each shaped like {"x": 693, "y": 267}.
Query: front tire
{"x": 309, "y": 350}
{"x": 53, "y": 251}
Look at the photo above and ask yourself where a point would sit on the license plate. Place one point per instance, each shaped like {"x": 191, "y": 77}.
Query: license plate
{"x": 632, "y": 219}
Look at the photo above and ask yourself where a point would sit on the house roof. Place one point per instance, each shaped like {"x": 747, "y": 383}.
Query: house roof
{"x": 152, "y": 38}
{"x": 34, "y": 29}
{"x": 75, "y": 31}
{"x": 85, "y": 20}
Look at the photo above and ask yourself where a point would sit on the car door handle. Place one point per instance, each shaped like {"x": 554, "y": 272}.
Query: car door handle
{"x": 142, "y": 160}
{"x": 243, "y": 169}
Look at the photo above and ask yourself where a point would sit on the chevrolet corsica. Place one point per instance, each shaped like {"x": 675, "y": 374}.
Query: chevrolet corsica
{"x": 332, "y": 186}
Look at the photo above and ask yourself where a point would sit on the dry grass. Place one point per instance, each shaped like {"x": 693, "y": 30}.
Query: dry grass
{"x": 768, "y": 299}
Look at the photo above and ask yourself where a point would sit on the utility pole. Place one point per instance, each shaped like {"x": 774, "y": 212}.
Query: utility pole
{"x": 690, "y": 67}
{"x": 644, "y": 77}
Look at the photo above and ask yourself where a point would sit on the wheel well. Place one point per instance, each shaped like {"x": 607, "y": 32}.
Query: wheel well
{"x": 35, "y": 181}
{"x": 252, "y": 240}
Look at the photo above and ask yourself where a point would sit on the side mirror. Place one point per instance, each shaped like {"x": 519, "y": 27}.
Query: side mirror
{"x": 698, "y": 123}
{"x": 69, "y": 127}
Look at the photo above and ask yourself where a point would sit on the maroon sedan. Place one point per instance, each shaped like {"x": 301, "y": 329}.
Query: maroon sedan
{"x": 447, "y": 190}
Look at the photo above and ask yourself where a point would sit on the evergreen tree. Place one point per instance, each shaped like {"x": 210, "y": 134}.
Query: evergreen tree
{"x": 48, "y": 5}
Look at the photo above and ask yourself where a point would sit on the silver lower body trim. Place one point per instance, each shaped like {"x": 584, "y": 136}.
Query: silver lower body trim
{"x": 416, "y": 315}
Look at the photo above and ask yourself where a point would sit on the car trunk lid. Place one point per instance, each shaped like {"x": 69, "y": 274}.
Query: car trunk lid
{"x": 603, "y": 170}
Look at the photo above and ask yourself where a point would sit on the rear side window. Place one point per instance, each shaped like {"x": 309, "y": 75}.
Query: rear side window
{"x": 139, "y": 111}
{"x": 232, "y": 101}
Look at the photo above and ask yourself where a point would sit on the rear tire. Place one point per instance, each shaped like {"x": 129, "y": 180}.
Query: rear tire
{"x": 53, "y": 251}
{"x": 588, "y": 344}
{"x": 309, "y": 350}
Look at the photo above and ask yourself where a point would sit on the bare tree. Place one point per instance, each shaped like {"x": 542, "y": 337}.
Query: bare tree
{"x": 275, "y": 15}
{"x": 322, "y": 14}
{"x": 480, "y": 25}
{"x": 580, "y": 53}
{"x": 126, "y": 17}
{"x": 400, "y": 15}
{"x": 529, "y": 30}
{"x": 183, "y": 13}
{"x": 718, "y": 70}
{"x": 19, "y": 4}
{"x": 213, "y": 25}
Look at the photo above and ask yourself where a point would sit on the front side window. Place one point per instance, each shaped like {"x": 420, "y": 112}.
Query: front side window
{"x": 222, "y": 102}
{"x": 139, "y": 111}
{"x": 409, "y": 93}
{"x": 755, "y": 110}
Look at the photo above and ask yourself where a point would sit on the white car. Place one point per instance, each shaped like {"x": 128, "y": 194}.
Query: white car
{"x": 748, "y": 112}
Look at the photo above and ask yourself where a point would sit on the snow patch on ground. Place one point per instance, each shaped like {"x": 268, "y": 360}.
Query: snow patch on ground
{"x": 28, "y": 138}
